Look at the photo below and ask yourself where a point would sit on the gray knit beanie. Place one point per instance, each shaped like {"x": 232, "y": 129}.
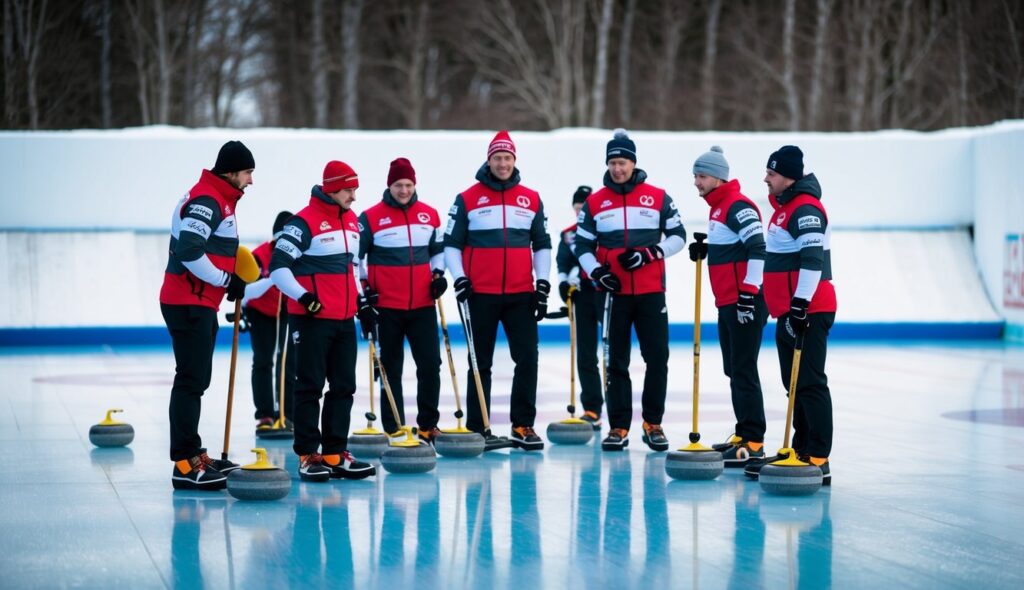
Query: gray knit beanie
{"x": 712, "y": 163}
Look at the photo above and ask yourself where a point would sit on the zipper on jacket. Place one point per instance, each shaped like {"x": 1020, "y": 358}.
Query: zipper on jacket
{"x": 504, "y": 230}
{"x": 412, "y": 257}
{"x": 625, "y": 242}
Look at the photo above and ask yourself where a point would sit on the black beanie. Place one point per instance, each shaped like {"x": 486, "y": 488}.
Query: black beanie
{"x": 233, "y": 157}
{"x": 787, "y": 161}
{"x": 282, "y": 218}
{"x": 581, "y": 194}
{"x": 621, "y": 146}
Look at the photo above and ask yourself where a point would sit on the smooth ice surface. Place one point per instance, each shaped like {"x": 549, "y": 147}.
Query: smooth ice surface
{"x": 926, "y": 493}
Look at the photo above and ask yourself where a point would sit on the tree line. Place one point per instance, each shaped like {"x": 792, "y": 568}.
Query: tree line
{"x": 828, "y": 65}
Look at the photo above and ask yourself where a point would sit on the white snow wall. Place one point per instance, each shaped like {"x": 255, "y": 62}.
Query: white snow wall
{"x": 900, "y": 203}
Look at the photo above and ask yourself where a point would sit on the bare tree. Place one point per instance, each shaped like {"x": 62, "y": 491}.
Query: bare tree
{"x": 824, "y": 11}
{"x": 707, "y": 118}
{"x": 351, "y": 58}
{"x": 789, "y": 66}
{"x": 29, "y": 27}
{"x": 601, "y": 64}
{"x": 625, "y": 44}
{"x": 318, "y": 66}
{"x": 10, "y": 65}
{"x": 672, "y": 22}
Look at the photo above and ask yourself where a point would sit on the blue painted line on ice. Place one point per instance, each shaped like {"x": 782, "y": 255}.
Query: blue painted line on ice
{"x": 153, "y": 335}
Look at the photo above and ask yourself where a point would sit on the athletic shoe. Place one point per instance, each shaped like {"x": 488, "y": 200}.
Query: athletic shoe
{"x": 493, "y": 443}
{"x": 312, "y": 468}
{"x": 222, "y": 465}
{"x": 525, "y": 438}
{"x": 196, "y": 474}
{"x": 722, "y": 447}
{"x": 655, "y": 438}
{"x": 427, "y": 436}
{"x": 592, "y": 418}
{"x": 264, "y": 423}
{"x": 738, "y": 455}
{"x": 345, "y": 466}
{"x": 826, "y": 473}
{"x": 616, "y": 440}
{"x": 753, "y": 467}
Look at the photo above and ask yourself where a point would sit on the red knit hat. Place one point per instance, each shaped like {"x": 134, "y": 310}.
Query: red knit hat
{"x": 339, "y": 175}
{"x": 401, "y": 169}
{"x": 501, "y": 143}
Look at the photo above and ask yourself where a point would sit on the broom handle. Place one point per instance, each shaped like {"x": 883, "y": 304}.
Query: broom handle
{"x": 451, "y": 362}
{"x": 468, "y": 326}
{"x": 231, "y": 380}
{"x": 572, "y": 354}
{"x": 794, "y": 373}
{"x": 696, "y": 337}
{"x": 384, "y": 379}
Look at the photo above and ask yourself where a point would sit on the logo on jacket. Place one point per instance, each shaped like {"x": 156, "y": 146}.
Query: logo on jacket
{"x": 716, "y": 213}
{"x": 647, "y": 200}
{"x": 324, "y": 226}
{"x": 423, "y": 216}
{"x": 227, "y": 209}
{"x": 201, "y": 211}
{"x": 523, "y": 201}
{"x": 781, "y": 218}
{"x": 606, "y": 203}
{"x": 385, "y": 220}
{"x": 483, "y": 200}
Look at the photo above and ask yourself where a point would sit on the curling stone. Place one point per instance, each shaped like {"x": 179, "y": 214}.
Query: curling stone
{"x": 571, "y": 431}
{"x": 401, "y": 458}
{"x": 459, "y": 443}
{"x": 111, "y": 433}
{"x": 694, "y": 462}
{"x": 259, "y": 481}
{"x": 368, "y": 446}
{"x": 790, "y": 476}
{"x": 276, "y": 431}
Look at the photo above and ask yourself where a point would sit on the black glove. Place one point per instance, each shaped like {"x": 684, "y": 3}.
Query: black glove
{"x": 606, "y": 279}
{"x": 698, "y": 251}
{"x": 563, "y": 291}
{"x": 463, "y": 289}
{"x": 797, "y": 322}
{"x": 540, "y": 302}
{"x": 438, "y": 285}
{"x": 745, "y": 307}
{"x": 367, "y": 312}
{"x": 235, "y": 288}
{"x": 634, "y": 258}
{"x": 243, "y": 321}
{"x": 311, "y": 302}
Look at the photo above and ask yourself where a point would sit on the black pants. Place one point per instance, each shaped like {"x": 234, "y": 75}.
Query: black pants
{"x": 741, "y": 344}
{"x": 193, "y": 330}
{"x": 324, "y": 349}
{"x": 265, "y": 333}
{"x": 419, "y": 326}
{"x": 516, "y": 314}
{"x": 648, "y": 315}
{"x": 588, "y": 306}
{"x": 812, "y": 413}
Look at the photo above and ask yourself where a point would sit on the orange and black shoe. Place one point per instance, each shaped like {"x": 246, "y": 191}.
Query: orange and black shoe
{"x": 312, "y": 468}
{"x": 732, "y": 441}
{"x": 617, "y": 440}
{"x": 592, "y": 418}
{"x": 222, "y": 465}
{"x": 820, "y": 463}
{"x": 428, "y": 435}
{"x": 655, "y": 437}
{"x": 525, "y": 438}
{"x": 345, "y": 466}
{"x": 738, "y": 455}
{"x": 195, "y": 474}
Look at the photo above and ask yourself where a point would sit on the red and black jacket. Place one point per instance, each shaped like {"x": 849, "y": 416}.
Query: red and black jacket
{"x": 266, "y": 303}
{"x": 319, "y": 244}
{"x": 630, "y": 215}
{"x": 401, "y": 248}
{"x": 498, "y": 226}
{"x": 203, "y": 224}
{"x": 735, "y": 244}
{"x": 798, "y": 249}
